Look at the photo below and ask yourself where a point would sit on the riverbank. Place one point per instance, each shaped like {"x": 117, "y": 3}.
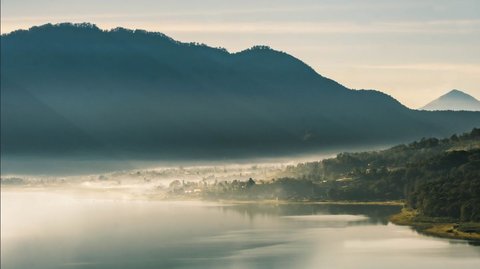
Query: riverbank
{"x": 437, "y": 226}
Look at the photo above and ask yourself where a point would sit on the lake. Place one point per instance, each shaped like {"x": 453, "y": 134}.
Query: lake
{"x": 57, "y": 229}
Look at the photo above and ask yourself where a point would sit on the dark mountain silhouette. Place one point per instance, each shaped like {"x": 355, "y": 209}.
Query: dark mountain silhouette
{"x": 454, "y": 100}
{"x": 75, "y": 89}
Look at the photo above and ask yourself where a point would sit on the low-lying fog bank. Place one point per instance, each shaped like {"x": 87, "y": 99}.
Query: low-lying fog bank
{"x": 146, "y": 183}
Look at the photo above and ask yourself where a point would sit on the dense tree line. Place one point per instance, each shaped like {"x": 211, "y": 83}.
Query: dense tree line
{"x": 447, "y": 186}
{"x": 439, "y": 177}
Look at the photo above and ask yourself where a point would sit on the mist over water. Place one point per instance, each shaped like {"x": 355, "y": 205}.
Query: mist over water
{"x": 58, "y": 228}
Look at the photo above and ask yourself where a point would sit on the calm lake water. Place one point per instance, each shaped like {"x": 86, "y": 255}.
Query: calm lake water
{"x": 60, "y": 230}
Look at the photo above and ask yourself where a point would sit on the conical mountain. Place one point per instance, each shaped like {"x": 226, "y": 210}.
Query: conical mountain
{"x": 454, "y": 100}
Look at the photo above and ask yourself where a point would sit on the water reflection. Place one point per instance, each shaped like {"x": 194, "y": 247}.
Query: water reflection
{"x": 55, "y": 230}
{"x": 376, "y": 214}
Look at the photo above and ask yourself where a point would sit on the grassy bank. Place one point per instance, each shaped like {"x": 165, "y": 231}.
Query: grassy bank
{"x": 441, "y": 227}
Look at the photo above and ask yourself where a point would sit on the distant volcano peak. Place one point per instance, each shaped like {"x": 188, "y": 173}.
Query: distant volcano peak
{"x": 454, "y": 100}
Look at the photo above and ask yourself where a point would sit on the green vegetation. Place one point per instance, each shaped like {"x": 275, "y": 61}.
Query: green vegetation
{"x": 437, "y": 226}
{"x": 439, "y": 178}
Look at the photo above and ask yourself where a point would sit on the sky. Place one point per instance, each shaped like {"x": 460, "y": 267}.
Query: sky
{"x": 414, "y": 50}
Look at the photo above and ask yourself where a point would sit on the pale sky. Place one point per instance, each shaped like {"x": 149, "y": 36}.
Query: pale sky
{"x": 413, "y": 50}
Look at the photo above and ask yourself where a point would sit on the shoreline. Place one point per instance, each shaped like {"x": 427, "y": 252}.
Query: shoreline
{"x": 284, "y": 202}
{"x": 428, "y": 226}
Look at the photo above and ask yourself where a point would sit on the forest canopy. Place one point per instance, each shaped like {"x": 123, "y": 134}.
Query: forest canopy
{"x": 438, "y": 177}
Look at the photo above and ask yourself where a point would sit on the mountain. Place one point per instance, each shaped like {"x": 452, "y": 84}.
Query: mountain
{"x": 454, "y": 100}
{"x": 77, "y": 90}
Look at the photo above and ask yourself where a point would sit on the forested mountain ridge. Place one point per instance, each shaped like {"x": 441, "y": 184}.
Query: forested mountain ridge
{"x": 74, "y": 89}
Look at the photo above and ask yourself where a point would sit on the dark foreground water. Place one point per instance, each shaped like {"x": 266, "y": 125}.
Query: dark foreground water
{"x": 58, "y": 230}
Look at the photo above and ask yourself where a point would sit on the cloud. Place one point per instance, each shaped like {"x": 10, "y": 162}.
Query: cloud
{"x": 471, "y": 68}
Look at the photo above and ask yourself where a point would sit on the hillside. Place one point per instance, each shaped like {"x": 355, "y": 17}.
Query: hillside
{"x": 77, "y": 90}
{"x": 438, "y": 177}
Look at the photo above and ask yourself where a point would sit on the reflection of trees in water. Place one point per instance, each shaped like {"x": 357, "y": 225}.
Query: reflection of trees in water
{"x": 377, "y": 214}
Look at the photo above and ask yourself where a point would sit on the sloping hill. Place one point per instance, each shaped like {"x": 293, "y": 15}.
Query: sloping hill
{"x": 144, "y": 95}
